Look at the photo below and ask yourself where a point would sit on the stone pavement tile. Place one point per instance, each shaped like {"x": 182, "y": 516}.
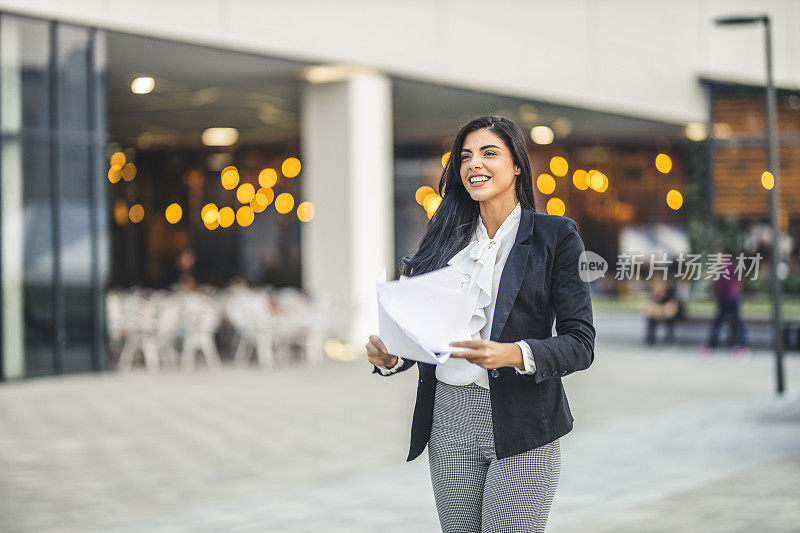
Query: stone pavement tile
{"x": 85, "y": 451}
{"x": 765, "y": 497}
{"x": 638, "y": 469}
{"x": 290, "y": 449}
{"x": 347, "y": 504}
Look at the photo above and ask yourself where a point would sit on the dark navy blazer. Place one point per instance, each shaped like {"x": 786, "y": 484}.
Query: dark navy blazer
{"x": 540, "y": 282}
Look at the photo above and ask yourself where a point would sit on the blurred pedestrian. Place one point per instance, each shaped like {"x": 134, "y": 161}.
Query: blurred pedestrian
{"x": 492, "y": 418}
{"x": 727, "y": 293}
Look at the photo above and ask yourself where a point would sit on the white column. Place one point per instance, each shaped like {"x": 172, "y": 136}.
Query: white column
{"x": 11, "y": 223}
{"x": 347, "y": 147}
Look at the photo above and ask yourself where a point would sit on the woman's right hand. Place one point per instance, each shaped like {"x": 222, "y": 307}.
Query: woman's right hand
{"x": 377, "y": 354}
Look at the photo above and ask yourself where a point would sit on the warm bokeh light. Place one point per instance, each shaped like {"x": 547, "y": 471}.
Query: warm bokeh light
{"x": 136, "y": 213}
{"x": 229, "y": 177}
{"x": 555, "y": 206}
{"x": 255, "y": 206}
{"x": 284, "y": 202}
{"x": 268, "y": 178}
{"x": 559, "y": 166}
{"x": 226, "y": 216}
{"x": 721, "y": 130}
{"x": 674, "y": 199}
{"x": 337, "y": 350}
{"x": 597, "y": 181}
{"x": 211, "y": 214}
{"x": 212, "y": 223}
{"x": 120, "y": 213}
{"x": 542, "y": 135}
{"x": 663, "y": 163}
{"x": 562, "y": 126}
{"x": 290, "y": 167}
{"x": 580, "y": 178}
{"x": 421, "y": 193}
{"x": 245, "y": 193}
{"x": 696, "y": 131}
{"x": 546, "y": 184}
{"x": 264, "y": 197}
{"x": 118, "y": 159}
{"x": 206, "y": 209}
{"x": 114, "y": 173}
{"x": 767, "y": 180}
{"x": 244, "y": 216}
{"x": 173, "y": 213}
{"x": 445, "y": 159}
{"x": 210, "y": 217}
{"x": 604, "y": 185}
{"x": 129, "y": 171}
{"x": 143, "y": 85}
{"x": 220, "y": 136}
{"x": 433, "y": 205}
{"x": 305, "y": 211}
{"x": 426, "y": 202}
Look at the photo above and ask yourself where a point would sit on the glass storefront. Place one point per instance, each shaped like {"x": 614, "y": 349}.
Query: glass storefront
{"x": 54, "y": 240}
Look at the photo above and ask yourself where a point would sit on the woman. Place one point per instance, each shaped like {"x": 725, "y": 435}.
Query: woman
{"x": 492, "y": 422}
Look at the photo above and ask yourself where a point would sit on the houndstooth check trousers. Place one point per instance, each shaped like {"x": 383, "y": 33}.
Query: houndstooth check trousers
{"x": 474, "y": 491}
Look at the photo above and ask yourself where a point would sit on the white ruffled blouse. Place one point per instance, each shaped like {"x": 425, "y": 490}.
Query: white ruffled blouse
{"x": 480, "y": 265}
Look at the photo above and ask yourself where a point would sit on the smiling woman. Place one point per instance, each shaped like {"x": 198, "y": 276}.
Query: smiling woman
{"x": 479, "y": 165}
{"x": 492, "y": 417}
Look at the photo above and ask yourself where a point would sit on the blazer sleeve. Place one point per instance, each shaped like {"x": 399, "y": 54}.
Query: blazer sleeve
{"x": 572, "y": 348}
{"x": 407, "y": 363}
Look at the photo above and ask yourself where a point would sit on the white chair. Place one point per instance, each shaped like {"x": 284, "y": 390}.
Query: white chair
{"x": 307, "y": 322}
{"x": 248, "y": 312}
{"x": 200, "y": 315}
{"x": 168, "y": 327}
{"x": 140, "y": 319}
{"x": 115, "y": 323}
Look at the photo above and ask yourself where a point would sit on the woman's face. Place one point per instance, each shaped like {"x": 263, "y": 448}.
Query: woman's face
{"x": 485, "y": 155}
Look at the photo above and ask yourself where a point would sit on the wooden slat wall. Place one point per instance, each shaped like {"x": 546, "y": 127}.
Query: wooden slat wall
{"x": 738, "y": 164}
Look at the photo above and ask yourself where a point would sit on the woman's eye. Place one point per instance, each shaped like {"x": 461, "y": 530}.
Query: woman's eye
{"x": 463, "y": 156}
{"x": 489, "y": 152}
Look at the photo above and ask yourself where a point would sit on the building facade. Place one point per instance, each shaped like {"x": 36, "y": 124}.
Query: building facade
{"x": 366, "y": 97}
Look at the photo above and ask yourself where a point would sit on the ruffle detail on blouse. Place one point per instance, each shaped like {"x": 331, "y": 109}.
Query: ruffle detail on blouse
{"x": 476, "y": 262}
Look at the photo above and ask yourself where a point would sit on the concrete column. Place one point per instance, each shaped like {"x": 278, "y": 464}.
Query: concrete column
{"x": 347, "y": 147}
{"x": 12, "y": 230}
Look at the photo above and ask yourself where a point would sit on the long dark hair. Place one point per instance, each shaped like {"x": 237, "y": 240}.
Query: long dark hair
{"x": 452, "y": 225}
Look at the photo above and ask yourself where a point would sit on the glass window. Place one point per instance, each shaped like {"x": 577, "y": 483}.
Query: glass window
{"x": 51, "y": 196}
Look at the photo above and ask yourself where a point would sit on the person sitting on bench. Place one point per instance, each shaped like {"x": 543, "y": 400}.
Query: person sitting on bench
{"x": 664, "y": 308}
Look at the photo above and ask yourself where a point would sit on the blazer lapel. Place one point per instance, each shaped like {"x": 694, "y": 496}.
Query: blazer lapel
{"x": 513, "y": 272}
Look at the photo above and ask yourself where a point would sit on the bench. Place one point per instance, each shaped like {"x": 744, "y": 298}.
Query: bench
{"x": 790, "y": 327}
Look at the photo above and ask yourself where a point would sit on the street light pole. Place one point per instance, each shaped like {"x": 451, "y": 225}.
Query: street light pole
{"x": 774, "y": 196}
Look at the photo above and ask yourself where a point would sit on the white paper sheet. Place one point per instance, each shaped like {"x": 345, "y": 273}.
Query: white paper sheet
{"x": 419, "y": 316}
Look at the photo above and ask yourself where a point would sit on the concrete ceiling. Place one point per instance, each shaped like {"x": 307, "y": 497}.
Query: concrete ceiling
{"x": 199, "y": 87}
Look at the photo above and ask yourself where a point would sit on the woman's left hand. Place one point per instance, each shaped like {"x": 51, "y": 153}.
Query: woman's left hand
{"x": 490, "y": 354}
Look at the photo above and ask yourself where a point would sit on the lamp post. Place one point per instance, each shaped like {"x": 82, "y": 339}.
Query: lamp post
{"x": 772, "y": 163}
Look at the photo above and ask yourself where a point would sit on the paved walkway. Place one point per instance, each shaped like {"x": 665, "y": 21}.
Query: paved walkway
{"x": 664, "y": 440}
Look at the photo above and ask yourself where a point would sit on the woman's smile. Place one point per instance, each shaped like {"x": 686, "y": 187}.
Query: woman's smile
{"x": 478, "y": 180}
